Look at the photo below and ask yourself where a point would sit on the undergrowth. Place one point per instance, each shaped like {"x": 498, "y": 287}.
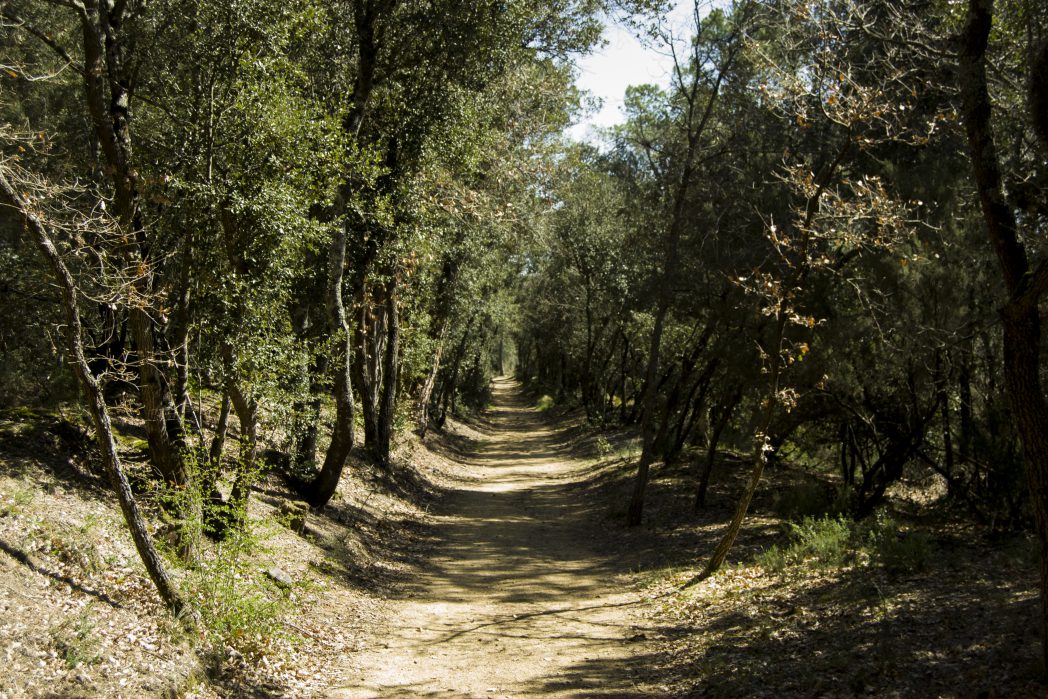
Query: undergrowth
{"x": 239, "y": 606}
{"x": 225, "y": 581}
{"x": 836, "y": 541}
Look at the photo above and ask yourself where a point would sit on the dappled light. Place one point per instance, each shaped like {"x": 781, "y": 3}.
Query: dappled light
{"x": 521, "y": 596}
{"x": 334, "y": 364}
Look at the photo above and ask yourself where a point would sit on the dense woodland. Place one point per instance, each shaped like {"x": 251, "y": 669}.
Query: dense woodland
{"x": 330, "y": 222}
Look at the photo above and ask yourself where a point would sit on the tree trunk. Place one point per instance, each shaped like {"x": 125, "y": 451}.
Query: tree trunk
{"x": 246, "y": 408}
{"x": 390, "y": 377}
{"x": 306, "y": 421}
{"x": 108, "y": 97}
{"x": 1020, "y": 316}
{"x": 647, "y": 425}
{"x": 209, "y": 478}
{"x": 320, "y": 490}
{"x": 724, "y": 413}
{"x": 947, "y": 430}
{"x": 422, "y": 405}
{"x": 449, "y": 386}
{"x": 371, "y": 337}
{"x": 759, "y": 458}
{"x": 95, "y": 401}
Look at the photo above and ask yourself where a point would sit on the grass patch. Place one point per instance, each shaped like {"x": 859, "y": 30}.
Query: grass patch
{"x": 75, "y": 642}
{"x": 833, "y": 542}
{"x": 16, "y": 502}
{"x": 898, "y": 551}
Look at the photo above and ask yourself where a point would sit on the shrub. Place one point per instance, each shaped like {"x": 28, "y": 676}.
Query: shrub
{"x": 825, "y": 541}
{"x": 774, "y": 559}
{"x": 545, "y": 403}
{"x": 835, "y": 541}
{"x": 233, "y": 597}
{"x": 75, "y": 641}
{"x": 897, "y": 550}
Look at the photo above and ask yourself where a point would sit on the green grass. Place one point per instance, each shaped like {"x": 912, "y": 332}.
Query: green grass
{"x": 836, "y": 541}
{"x": 75, "y": 641}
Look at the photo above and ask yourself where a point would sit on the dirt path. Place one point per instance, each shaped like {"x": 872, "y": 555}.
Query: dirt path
{"x": 518, "y": 600}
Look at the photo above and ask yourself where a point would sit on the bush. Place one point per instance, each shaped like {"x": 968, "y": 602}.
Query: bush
{"x": 237, "y": 603}
{"x": 774, "y": 559}
{"x": 825, "y": 542}
{"x": 896, "y": 550}
{"x": 835, "y": 541}
{"x": 545, "y": 403}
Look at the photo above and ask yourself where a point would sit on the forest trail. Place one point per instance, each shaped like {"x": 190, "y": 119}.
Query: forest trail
{"x": 518, "y": 599}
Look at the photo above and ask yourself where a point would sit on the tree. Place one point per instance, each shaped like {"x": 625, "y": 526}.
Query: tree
{"x": 14, "y": 200}
{"x": 1025, "y": 282}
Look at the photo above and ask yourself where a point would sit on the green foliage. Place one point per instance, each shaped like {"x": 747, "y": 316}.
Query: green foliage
{"x": 896, "y": 550}
{"x": 824, "y": 542}
{"x": 545, "y": 403}
{"x": 17, "y": 502}
{"x": 239, "y": 606}
{"x": 833, "y": 542}
{"x": 76, "y": 642}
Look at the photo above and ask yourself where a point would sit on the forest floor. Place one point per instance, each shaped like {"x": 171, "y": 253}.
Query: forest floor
{"x": 493, "y": 561}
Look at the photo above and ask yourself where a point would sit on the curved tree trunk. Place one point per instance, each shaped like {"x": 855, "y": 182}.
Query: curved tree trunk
{"x": 320, "y": 490}
{"x": 95, "y": 402}
{"x": 1021, "y": 318}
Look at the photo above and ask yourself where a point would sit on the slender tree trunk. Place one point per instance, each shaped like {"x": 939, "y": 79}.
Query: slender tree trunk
{"x": 370, "y": 341}
{"x": 622, "y": 379}
{"x": 964, "y": 398}
{"x": 450, "y": 385}
{"x": 422, "y": 405}
{"x": 390, "y": 377}
{"x": 1021, "y": 315}
{"x": 108, "y": 97}
{"x": 724, "y": 413}
{"x": 647, "y": 430}
{"x": 213, "y": 521}
{"x": 95, "y": 401}
{"x": 218, "y": 441}
{"x": 246, "y": 408}
{"x": 307, "y": 419}
{"x": 947, "y": 430}
{"x": 759, "y": 458}
{"x": 320, "y": 490}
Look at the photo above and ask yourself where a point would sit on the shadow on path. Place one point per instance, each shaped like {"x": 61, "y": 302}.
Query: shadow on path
{"x": 520, "y": 597}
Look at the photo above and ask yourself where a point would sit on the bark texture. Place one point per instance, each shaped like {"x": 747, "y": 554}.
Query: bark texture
{"x": 1021, "y": 319}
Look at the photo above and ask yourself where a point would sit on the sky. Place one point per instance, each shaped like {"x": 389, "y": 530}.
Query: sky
{"x": 624, "y": 61}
